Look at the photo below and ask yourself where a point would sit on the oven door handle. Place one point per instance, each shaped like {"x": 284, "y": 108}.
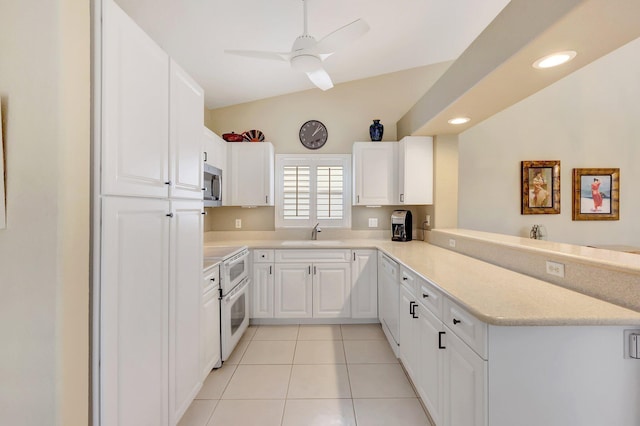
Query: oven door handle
{"x": 237, "y": 291}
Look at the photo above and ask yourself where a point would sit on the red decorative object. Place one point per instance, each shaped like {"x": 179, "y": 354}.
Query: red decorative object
{"x": 232, "y": 137}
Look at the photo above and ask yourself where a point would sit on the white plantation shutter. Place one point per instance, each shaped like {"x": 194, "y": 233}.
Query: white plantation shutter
{"x": 329, "y": 192}
{"x": 296, "y": 192}
{"x": 313, "y": 189}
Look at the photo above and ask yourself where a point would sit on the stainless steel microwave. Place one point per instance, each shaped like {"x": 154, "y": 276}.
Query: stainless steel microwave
{"x": 212, "y": 186}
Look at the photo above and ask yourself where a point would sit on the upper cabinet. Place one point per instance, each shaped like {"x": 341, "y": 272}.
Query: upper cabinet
{"x": 186, "y": 117}
{"x": 215, "y": 150}
{"x": 415, "y": 170}
{"x": 375, "y": 173}
{"x": 392, "y": 173}
{"x": 250, "y": 177}
{"x": 144, "y": 95}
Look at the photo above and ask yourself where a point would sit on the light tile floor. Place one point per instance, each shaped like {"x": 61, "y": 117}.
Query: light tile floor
{"x": 308, "y": 375}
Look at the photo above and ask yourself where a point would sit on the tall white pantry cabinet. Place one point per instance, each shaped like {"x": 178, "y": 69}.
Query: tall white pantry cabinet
{"x": 150, "y": 229}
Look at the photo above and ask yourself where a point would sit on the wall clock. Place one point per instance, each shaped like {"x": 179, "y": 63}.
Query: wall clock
{"x": 313, "y": 134}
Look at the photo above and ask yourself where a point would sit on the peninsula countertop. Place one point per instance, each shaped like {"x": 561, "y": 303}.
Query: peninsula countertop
{"x": 493, "y": 294}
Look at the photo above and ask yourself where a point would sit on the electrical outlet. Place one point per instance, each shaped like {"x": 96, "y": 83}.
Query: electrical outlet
{"x": 555, "y": 268}
{"x": 427, "y": 220}
{"x": 373, "y": 222}
{"x": 452, "y": 243}
{"x": 238, "y": 223}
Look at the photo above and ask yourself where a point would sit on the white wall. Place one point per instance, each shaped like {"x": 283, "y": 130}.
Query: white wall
{"x": 44, "y": 87}
{"x": 347, "y": 110}
{"x": 588, "y": 119}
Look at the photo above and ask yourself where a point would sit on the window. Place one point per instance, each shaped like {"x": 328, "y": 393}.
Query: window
{"x": 313, "y": 189}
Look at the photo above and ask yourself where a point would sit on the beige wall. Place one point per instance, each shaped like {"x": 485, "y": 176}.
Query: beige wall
{"x": 347, "y": 110}
{"x": 445, "y": 171}
{"x": 44, "y": 258}
{"x": 588, "y": 119}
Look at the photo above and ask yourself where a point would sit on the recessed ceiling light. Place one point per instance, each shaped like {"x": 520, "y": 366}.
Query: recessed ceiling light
{"x": 459, "y": 120}
{"x": 554, "y": 59}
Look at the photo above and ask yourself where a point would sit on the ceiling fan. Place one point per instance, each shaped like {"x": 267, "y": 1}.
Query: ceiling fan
{"x": 307, "y": 53}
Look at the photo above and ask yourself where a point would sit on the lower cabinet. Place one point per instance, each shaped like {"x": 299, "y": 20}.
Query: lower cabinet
{"x": 450, "y": 377}
{"x": 331, "y": 283}
{"x": 150, "y": 295}
{"x": 262, "y": 290}
{"x": 293, "y": 290}
{"x": 364, "y": 283}
{"x": 210, "y": 322}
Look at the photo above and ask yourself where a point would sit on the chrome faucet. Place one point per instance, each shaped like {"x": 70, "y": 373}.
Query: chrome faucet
{"x": 314, "y": 232}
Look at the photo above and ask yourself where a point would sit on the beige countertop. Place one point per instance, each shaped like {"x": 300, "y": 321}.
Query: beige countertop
{"x": 493, "y": 294}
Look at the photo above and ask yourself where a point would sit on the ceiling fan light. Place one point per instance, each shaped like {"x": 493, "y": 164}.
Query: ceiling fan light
{"x": 306, "y": 63}
{"x": 554, "y": 59}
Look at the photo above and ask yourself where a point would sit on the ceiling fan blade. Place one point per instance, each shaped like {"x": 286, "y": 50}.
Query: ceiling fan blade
{"x": 341, "y": 37}
{"x": 320, "y": 78}
{"x": 277, "y": 56}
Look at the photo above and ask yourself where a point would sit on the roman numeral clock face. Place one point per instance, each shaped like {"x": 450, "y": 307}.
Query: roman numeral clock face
{"x": 313, "y": 134}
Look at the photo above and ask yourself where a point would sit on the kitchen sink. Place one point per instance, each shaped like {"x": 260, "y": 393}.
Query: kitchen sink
{"x": 312, "y": 243}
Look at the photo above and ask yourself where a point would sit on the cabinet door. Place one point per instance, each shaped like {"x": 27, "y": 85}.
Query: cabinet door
{"x": 415, "y": 163}
{"x": 409, "y": 337}
{"x": 431, "y": 359}
{"x": 135, "y": 109}
{"x": 331, "y": 290}
{"x": 134, "y": 309}
{"x": 465, "y": 384}
{"x": 364, "y": 284}
{"x": 251, "y": 177}
{"x": 186, "y": 101}
{"x": 375, "y": 173}
{"x": 293, "y": 290}
{"x": 185, "y": 294}
{"x": 215, "y": 149}
{"x": 262, "y": 290}
{"x": 210, "y": 332}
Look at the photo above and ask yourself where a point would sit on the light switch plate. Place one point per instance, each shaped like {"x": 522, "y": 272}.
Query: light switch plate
{"x": 632, "y": 344}
{"x": 373, "y": 222}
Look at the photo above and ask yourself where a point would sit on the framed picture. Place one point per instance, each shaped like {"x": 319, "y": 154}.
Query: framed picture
{"x": 540, "y": 187}
{"x": 596, "y": 194}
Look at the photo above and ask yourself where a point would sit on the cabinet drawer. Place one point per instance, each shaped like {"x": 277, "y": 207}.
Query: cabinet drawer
{"x": 429, "y": 296}
{"x": 409, "y": 280}
{"x": 211, "y": 279}
{"x": 263, "y": 256}
{"x": 313, "y": 255}
{"x": 467, "y": 327}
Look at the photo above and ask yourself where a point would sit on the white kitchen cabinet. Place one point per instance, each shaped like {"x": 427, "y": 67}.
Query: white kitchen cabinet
{"x": 251, "y": 174}
{"x": 135, "y": 108}
{"x": 152, "y": 116}
{"x": 134, "y": 315}
{"x": 331, "y": 290}
{"x": 293, "y": 290}
{"x": 415, "y": 170}
{"x": 375, "y": 173}
{"x": 364, "y": 284}
{"x": 210, "y": 321}
{"x": 389, "y": 299}
{"x": 262, "y": 293}
{"x": 186, "y": 117}
{"x": 215, "y": 150}
{"x": 185, "y": 295}
{"x": 429, "y": 381}
{"x": 465, "y": 384}
{"x": 409, "y": 331}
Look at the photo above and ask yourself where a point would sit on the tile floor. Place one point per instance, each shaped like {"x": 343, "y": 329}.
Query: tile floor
{"x": 308, "y": 375}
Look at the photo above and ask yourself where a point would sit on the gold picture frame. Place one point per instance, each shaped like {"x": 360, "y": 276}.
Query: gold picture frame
{"x": 596, "y": 194}
{"x": 540, "y": 187}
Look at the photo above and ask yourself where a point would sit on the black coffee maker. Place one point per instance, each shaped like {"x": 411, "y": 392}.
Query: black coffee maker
{"x": 401, "y": 225}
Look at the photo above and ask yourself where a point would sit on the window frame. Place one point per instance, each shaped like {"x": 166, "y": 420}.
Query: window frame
{"x": 313, "y": 161}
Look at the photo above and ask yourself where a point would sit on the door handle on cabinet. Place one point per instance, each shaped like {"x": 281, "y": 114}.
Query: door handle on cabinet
{"x": 169, "y": 215}
{"x": 205, "y": 156}
{"x": 270, "y": 273}
{"x": 456, "y": 321}
{"x": 425, "y": 295}
{"x": 314, "y": 271}
{"x": 412, "y": 309}
{"x": 440, "y": 334}
{"x": 309, "y": 269}
{"x": 168, "y": 182}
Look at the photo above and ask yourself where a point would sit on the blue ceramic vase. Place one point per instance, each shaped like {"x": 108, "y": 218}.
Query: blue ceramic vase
{"x": 376, "y": 130}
